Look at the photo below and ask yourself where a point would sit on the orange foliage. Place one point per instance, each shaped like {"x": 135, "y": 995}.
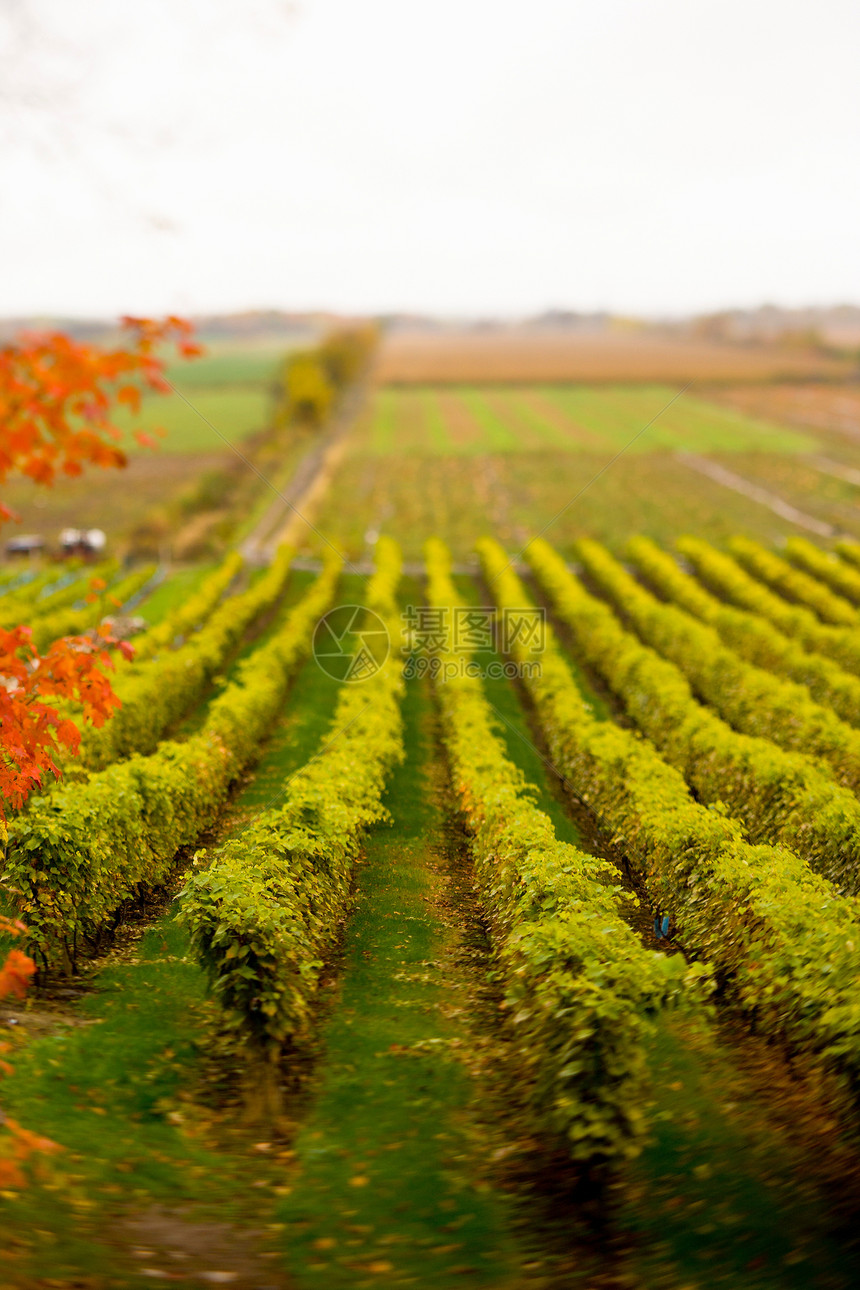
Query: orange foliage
{"x": 14, "y": 978}
{"x": 57, "y": 397}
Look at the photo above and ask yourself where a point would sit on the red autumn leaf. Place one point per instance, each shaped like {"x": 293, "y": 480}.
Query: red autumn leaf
{"x": 130, "y": 394}
{"x": 15, "y": 974}
{"x": 57, "y": 395}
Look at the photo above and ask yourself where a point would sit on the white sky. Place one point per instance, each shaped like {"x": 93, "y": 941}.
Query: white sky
{"x": 455, "y": 156}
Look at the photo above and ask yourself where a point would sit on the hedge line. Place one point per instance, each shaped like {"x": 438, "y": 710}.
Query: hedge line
{"x": 27, "y": 603}
{"x": 77, "y": 854}
{"x": 779, "y": 796}
{"x": 792, "y": 584}
{"x": 827, "y": 568}
{"x": 156, "y": 693}
{"x": 20, "y": 582}
{"x": 270, "y": 904}
{"x": 755, "y": 639}
{"x": 849, "y": 550}
{"x": 726, "y": 578}
{"x": 188, "y": 617}
{"x": 71, "y": 621}
{"x": 581, "y": 987}
{"x": 749, "y": 698}
{"x": 786, "y": 945}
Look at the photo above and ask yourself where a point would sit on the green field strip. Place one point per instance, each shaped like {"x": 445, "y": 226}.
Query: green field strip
{"x": 383, "y": 423}
{"x": 230, "y": 367}
{"x": 388, "y": 1181}
{"x": 594, "y": 432}
{"x": 434, "y": 432}
{"x": 235, "y": 411}
{"x": 553, "y": 428}
{"x": 499, "y": 409}
{"x": 466, "y": 420}
{"x": 410, "y": 421}
{"x": 712, "y": 427}
{"x": 498, "y": 435}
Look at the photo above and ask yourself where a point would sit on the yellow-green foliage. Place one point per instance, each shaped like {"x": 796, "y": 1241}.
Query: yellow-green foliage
{"x": 849, "y": 551}
{"x": 77, "y": 854}
{"x": 346, "y": 352}
{"x": 749, "y": 698}
{"x": 726, "y": 577}
{"x": 70, "y": 621}
{"x": 188, "y": 617}
{"x": 314, "y": 378}
{"x": 30, "y": 603}
{"x": 158, "y": 691}
{"x": 838, "y": 575}
{"x": 780, "y": 796}
{"x": 270, "y": 903}
{"x": 792, "y": 584}
{"x": 786, "y": 945}
{"x": 581, "y": 988}
{"x": 754, "y": 638}
{"x": 308, "y": 393}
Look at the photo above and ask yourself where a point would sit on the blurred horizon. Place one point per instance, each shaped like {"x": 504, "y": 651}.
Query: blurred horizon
{"x": 645, "y": 160}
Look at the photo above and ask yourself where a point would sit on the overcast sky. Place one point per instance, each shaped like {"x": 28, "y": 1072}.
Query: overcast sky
{"x": 460, "y": 156}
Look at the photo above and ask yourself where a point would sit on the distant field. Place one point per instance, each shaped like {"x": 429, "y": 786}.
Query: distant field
{"x": 825, "y": 407}
{"x": 464, "y": 460}
{"x": 228, "y": 366}
{"x": 467, "y": 357}
{"x": 475, "y": 421}
{"x": 228, "y": 389}
{"x": 236, "y": 411}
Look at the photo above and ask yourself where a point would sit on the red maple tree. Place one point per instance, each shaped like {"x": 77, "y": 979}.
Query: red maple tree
{"x": 58, "y": 399}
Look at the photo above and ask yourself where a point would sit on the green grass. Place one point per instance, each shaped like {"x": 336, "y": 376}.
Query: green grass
{"x": 112, "y": 1090}
{"x": 170, "y": 594}
{"x": 720, "y": 1195}
{"x": 228, "y": 366}
{"x": 235, "y": 411}
{"x": 569, "y": 419}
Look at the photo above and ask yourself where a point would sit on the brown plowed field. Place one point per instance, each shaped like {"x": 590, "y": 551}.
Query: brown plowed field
{"x": 536, "y": 356}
